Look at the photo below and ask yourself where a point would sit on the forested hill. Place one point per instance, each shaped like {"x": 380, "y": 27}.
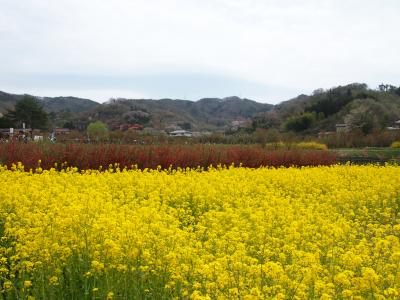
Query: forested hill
{"x": 353, "y": 104}
{"x": 207, "y": 113}
{"x": 50, "y": 104}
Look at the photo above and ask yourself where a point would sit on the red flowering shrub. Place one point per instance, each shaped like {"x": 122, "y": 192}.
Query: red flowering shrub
{"x": 86, "y": 156}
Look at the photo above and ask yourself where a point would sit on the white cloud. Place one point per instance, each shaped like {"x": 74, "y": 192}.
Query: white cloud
{"x": 297, "y": 44}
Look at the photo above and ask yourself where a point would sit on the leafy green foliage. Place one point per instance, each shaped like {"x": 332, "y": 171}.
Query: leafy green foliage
{"x": 97, "y": 130}
{"x": 366, "y": 110}
{"x": 301, "y": 122}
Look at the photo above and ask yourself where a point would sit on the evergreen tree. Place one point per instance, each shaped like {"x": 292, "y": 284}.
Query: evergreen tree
{"x": 29, "y": 111}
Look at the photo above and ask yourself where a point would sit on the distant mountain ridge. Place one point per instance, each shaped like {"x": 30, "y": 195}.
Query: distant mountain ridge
{"x": 355, "y": 105}
{"x": 206, "y": 113}
{"x": 50, "y": 104}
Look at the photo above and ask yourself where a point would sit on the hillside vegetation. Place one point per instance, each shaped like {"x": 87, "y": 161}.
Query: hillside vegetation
{"x": 61, "y": 110}
{"x": 208, "y": 113}
{"x": 205, "y": 114}
{"x": 355, "y": 104}
{"x": 55, "y": 104}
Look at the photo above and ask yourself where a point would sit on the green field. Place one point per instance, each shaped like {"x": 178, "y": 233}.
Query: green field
{"x": 368, "y": 154}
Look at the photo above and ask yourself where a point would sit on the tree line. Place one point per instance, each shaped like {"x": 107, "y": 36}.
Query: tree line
{"x": 30, "y": 112}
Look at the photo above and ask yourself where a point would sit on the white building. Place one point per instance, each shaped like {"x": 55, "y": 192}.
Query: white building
{"x": 181, "y": 133}
{"x": 342, "y": 128}
{"x": 396, "y": 126}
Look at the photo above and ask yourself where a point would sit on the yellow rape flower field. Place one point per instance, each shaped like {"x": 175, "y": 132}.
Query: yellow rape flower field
{"x": 225, "y": 233}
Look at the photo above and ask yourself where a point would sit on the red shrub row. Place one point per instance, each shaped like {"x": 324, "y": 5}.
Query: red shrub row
{"x": 93, "y": 156}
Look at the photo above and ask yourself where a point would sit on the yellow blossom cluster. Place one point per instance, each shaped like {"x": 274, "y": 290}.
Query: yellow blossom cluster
{"x": 225, "y": 233}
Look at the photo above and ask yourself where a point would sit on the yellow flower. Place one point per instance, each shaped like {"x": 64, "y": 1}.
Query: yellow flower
{"x": 97, "y": 266}
{"x": 266, "y": 233}
{"x": 7, "y": 285}
{"x": 27, "y": 284}
{"x": 53, "y": 280}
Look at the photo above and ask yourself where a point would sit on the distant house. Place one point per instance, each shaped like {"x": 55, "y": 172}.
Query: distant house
{"x": 342, "y": 127}
{"x": 395, "y": 126}
{"x": 135, "y": 127}
{"x": 172, "y": 127}
{"x": 181, "y": 133}
{"x": 125, "y": 127}
{"x": 62, "y": 131}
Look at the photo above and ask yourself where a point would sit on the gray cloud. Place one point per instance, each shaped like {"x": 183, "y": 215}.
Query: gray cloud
{"x": 184, "y": 48}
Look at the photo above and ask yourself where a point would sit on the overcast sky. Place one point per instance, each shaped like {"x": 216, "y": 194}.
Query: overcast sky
{"x": 266, "y": 50}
